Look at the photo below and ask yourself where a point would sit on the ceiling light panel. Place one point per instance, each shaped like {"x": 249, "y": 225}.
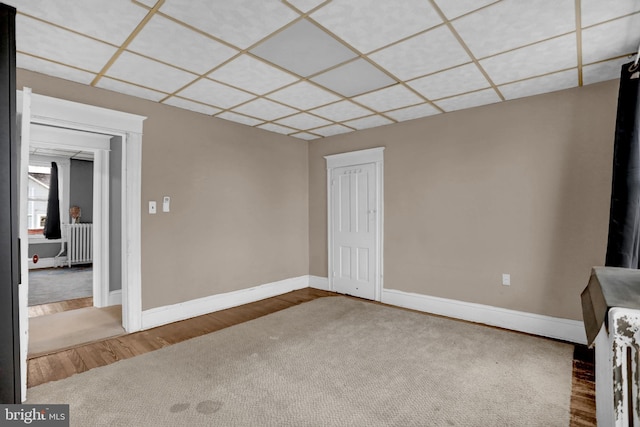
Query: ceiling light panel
{"x": 549, "y": 83}
{"x": 305, "y": 5}
{"x": 368, "y": 122}
{"x": 146, "y": 72}
{"x": 615, "y": 38}
{"x": 303, "y": 121}
{"x": 415, "y": 112}
{"x": 240, "y": 22}
{"x": 129, "y": 89}
{"x": 370, "y": 24}
{"x": 470, "y": 100}
{"x": 46, "y": 41}
{"x": 192, "y": 106}
{"x": 390, "y": 98}
{"x": 341, "y": 111}
{"x": 354, "y": 78}
{"x": 332, "y": 130}
{"x": 454, "y": 8}
{"x": 276, "y": 128}
{"x": 52, "y": 69}
{"x": 597, "y": 11}
{"x": 265, "y": 109}
{"x": 513, "y": 23}
{"x": 304, "y": 49}
{"x": 427, "y": 53}
{"x": 252, "y": 75}
{"x": 535, "y": 60}
{"x": 177, "y": 45}
{"x": 111, "y": 21}
{"x": 603, "y": 71}
{"x": 239, "y": 118}
{"x": 303, "y": 95}
{"x": 215, "y": 94}
{"x": 465, "y": 78}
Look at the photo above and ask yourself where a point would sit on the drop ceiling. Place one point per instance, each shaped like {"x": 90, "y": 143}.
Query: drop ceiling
{"x": 312, "y": 68}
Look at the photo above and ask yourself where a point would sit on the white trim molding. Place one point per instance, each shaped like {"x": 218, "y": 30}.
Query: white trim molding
{"x": 197, "y": 307}
{"x": 115, "y": 297}
{"x": 318, "y": 282}
{"x": 536, "y": 324}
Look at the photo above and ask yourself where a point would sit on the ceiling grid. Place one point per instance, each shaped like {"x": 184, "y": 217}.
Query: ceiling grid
{"x": 317, "y": 68}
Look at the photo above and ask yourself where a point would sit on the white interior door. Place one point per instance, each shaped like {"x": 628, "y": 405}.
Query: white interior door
{"x": 354, "y": 219}
{"x": 24, "y": 115}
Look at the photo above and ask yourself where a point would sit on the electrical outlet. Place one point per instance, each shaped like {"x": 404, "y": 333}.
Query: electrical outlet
{"x": 152, "y": 207}
{"x": 506, "y": 279}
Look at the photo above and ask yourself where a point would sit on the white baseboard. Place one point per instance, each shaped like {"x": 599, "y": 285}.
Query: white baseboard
{"x": 197, "y": 307}
{"x": 546, "y": 326}
{"x": 47, "y": 263}
{"x": 318, "y": 282}
{"x": 115, "y": 297}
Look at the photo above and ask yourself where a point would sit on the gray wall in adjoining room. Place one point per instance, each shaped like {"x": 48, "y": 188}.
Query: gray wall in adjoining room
{"x": 115, "y": 214}
{"x": 81, "y": 188}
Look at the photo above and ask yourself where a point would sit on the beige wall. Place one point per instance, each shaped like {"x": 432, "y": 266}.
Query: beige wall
{"x": 239, "y": 198}
{"x": 520, "y": 187}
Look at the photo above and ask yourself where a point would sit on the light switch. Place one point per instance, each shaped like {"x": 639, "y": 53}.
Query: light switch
{"x": 152, "y": 206}
{"x": 166, "y": 200}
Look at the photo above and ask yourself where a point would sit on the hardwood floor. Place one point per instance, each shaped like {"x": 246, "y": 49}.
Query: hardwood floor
{"x": 57, "y": 307}
{"x": 65, "y": 363}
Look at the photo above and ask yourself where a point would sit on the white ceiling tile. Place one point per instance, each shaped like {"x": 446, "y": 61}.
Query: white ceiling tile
{"x": 368, "y": 122}
{"x": 146, "y": 72}
{"x": 370, "y": 24}
{"x": 475, "y": 99}
{"x": 239, "y": 118}
{"x": 596, "y": 11}
{"x": 52, "y": 69}
{"x": 465, "y": 78}
{"x": 216, "y": 94}
{"x": 390, "y": 98}
{"x": 340, "y": 111}
{"x": 454, "y": 8}
{"x": 332, "y": 130}
{"x": 265, "y": 109}
{"x": 615, "y": 38}
{"x": 549, "y": 83}
{"x": 175, "y": 44}
{"x": 427, "y": 53}
{"x": 129, "y": 89}
{"x": 240, "y": 22}
{"x": 190, "y": 105}
{"x": 354, "y": 78}
{"x": 303, "y": 95}
{"x": 303, "y": 48}
{"x": 305, "y": 5}
{"x": 603, "y": 71}
{"x": 46, "y": 41}
{"x": 276, "y": 128}
{"x": 410, "y": 113}
{"x": 252, "y": 75}
{"x": 303, "y": 121}
{"x": 305, "y": 136}
{"x": 535, "y": 60}
{"x": 111, "y": 21}
{"x": 513, "y": 23}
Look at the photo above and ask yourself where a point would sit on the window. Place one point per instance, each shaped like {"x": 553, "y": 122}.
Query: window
{"x": 37, "y": 195}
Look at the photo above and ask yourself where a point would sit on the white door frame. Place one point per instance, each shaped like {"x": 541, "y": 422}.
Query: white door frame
{"x": 353, "y": 158}
{"x": 55, "y": 112}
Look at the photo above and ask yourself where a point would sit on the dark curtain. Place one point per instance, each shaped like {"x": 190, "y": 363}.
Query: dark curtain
{"x": 52, "y": 225}
{"x": 624, "y": 218}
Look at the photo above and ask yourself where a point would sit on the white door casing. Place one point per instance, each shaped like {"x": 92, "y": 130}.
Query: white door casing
{"x": 355, "y": 221}
{"x": 44, "y": 110}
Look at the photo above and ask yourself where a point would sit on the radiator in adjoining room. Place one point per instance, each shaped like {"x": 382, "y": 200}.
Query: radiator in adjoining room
{"x": 79, "y": 242}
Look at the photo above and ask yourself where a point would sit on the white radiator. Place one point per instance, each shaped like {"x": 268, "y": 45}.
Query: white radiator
{"x": 617, "y": 369}
{"x": 79, "y": 239}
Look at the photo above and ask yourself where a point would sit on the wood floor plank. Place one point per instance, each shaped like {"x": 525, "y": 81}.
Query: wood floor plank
{"x": 69, "y": 362}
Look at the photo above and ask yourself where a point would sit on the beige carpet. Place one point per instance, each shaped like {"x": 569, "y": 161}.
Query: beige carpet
{"x": 71, "y": 328}
{"x": 331, "y": 362}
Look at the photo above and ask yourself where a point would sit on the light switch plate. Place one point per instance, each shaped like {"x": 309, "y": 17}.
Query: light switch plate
{"x": 166, "y": 201}
{"x": 152, "y": 207}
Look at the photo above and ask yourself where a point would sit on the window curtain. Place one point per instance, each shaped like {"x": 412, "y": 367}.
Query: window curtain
{"x": 623, "y": 243}
{"x": 52, "y": 224}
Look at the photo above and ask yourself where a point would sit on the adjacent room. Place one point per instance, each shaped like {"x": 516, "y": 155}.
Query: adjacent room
{"x": 329, "y": 212}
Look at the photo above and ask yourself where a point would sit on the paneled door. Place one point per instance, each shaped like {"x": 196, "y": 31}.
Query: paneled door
{"x": 355, "y": 230}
